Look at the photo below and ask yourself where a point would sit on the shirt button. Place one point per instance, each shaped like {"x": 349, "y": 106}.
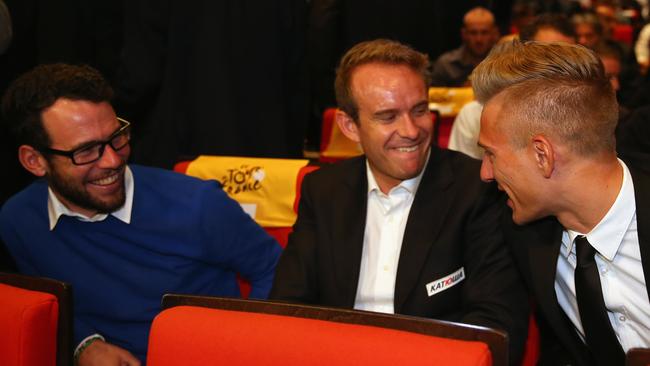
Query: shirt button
{"x": 386, "y": 268}
{"x": 622, "y": 318}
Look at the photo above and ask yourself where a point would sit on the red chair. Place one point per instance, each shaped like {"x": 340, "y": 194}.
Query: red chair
{"x": 334, "y": 145}
{"x": 638, "y": 357}
{"x": 197, "y": 330}
{"x": 623, "y": 33}
{"x": 36, "y": 317}
{"x": 532, "y": 348}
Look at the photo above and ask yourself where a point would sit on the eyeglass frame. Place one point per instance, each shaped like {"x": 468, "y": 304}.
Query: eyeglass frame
{"x": 125, "y": 129}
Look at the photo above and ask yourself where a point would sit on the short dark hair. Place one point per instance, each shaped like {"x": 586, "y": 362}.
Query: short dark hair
{"x": 557, "y": 22}
{"x": 381, "y": 51}
{"x": 38, "y": 89}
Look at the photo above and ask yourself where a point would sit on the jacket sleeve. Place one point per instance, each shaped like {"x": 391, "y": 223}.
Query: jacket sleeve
{"x": 296, "y": 278}
{"x": 494, "y": 294}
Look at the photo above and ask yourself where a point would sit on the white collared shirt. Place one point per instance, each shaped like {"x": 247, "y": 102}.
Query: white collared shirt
{"x": 619, "y": 264}
{"x": 56, "y": 208}
{"x": 382, "y": 241}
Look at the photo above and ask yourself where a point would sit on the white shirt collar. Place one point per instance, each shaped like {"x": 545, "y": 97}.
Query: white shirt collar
{"x": 56, "y": 208}
{"x": 410, "y": 185}
{"x": 607, "y": 235}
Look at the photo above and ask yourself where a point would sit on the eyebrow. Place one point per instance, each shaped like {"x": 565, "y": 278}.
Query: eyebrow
{"x": 384, "y": 111}
{"x": 94, "y": 142}
{"x": 422, "y": 103}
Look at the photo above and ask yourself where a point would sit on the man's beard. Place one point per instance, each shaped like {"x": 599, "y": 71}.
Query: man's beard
{"x": 76, "y": 194}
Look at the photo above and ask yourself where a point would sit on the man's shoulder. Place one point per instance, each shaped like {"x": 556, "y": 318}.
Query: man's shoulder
{"x": 163, "y": 177}
{"x": 638, "y": 163}
{"x": 462, "y": 165}
{"x": 328, "y": 181}
{"x": 339, "y": 170}
{"x": 458, "y": 176}
{"x": 34, "y": 195}
{"x": 172, "y": 186}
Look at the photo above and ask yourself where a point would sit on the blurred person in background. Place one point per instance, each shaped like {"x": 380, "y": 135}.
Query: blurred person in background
{"x": 479, "y": 33}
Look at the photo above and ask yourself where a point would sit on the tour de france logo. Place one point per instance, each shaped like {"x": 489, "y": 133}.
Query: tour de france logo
{"x": 243, "y": 179}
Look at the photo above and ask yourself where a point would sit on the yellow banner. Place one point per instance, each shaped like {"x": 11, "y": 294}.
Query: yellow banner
{"x": 266, "y": 188}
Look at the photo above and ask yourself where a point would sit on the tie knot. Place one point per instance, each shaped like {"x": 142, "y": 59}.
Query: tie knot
{"x": 584, "y": 251}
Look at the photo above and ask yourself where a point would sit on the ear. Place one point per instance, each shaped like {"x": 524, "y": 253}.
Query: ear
{"x": 544, "y": 155}
{"x": 347, "y": 125}
{"x": 32, "y": 160}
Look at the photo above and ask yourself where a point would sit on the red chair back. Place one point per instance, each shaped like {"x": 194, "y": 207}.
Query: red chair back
{"x": 36, "y": 315}
{"x": 245, "y": 332}
{"x": 334, "y": 145}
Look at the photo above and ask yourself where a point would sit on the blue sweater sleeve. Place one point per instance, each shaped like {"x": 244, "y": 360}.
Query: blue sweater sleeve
{"x": 232, "y": 239}
{"x": 22, "y": 259}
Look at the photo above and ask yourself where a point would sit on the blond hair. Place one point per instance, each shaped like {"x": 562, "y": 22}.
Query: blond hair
{"x": 555, "y": 89}
{"x": 381, "y": 51}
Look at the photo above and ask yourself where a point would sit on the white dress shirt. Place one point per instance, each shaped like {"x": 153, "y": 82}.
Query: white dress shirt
{"x": 382, "y": 241}
{"x": 56, "y": 208}
{"x": 619, "y": 264}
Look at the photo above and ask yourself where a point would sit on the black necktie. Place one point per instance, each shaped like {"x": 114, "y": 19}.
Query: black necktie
{"x": 599, "y": 334}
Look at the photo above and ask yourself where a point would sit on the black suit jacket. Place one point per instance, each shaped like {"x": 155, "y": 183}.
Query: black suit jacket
{"x": 536, "y": 248}
{"x": 453, "y": 224}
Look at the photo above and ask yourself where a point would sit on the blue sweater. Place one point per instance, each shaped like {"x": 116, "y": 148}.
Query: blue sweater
{"x": 185, "y": 236}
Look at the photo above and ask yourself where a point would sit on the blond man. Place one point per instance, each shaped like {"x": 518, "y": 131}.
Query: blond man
{"x": 548, "y": 133}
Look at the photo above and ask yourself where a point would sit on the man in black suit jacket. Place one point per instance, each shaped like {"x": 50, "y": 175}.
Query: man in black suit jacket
{"x": 548, "y": 131}
{"x": 406, "y": 229}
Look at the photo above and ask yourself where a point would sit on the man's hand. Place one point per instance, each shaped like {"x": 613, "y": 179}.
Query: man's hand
{"x": 100, "y": 353}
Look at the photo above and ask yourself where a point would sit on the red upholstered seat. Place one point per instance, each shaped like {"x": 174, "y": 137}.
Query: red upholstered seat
{"x": 28, "y": 320}
{"x": 190, "y": 335}
{"x": 638, "y": 357}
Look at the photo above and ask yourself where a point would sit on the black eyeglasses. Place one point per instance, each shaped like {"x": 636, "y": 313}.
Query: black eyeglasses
{"x": 94, "y": 151}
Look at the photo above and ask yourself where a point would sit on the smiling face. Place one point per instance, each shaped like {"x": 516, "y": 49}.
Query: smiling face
{"x": 515, "y": 170}
{"x": 394, "y": 125}
{"x": 97, "y": 187}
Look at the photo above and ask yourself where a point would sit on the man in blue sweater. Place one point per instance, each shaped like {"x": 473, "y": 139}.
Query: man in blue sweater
{"x": 122, "y": 235}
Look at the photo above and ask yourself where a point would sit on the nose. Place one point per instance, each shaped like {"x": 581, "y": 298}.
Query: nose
{"x": 408, "y": 128}
{"x": 487, "y": 175}
{"x": 111, "y": 158}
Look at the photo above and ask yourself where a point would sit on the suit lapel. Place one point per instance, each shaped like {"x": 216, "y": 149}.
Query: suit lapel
{"x": 542, "y": 261}
{"x": 348, "y": 229}
{"x": 641, "y": 182}
{"x": 430, "y": 206}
